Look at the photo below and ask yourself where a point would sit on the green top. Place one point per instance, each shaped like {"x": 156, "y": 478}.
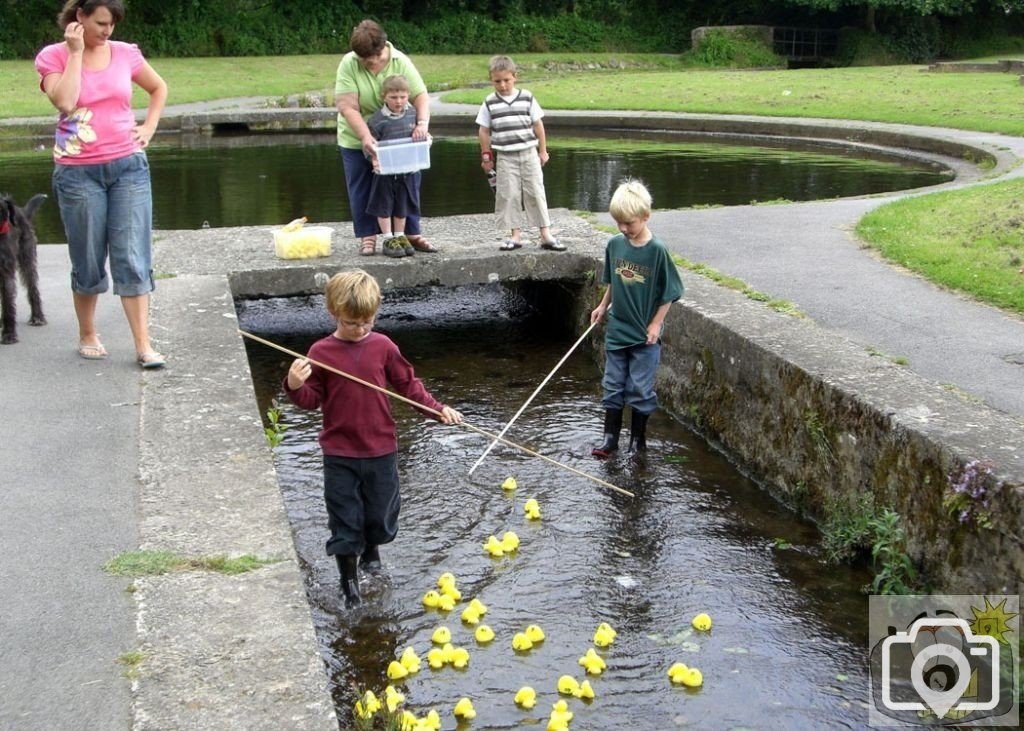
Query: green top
{"x": 642, "y": 278}
{"x": 352, "y": 77}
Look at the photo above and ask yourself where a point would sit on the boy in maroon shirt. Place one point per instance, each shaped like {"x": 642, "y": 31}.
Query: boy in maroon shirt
{"x": 358, "y": 437}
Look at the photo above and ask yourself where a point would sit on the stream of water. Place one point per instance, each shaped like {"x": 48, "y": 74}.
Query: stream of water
{"x": 787, "y": 648}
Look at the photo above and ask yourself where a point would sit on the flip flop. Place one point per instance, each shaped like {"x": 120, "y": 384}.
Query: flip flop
{"x": 553, "y": 245}
{"x": 92, "y": 352}
{"x": 421, "y": 244}
{"x": 510, "y": 245}
{"x": 151, "y": 359}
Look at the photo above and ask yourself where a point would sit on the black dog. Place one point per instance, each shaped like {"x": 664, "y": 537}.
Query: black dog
{"x": 18, "y": 252}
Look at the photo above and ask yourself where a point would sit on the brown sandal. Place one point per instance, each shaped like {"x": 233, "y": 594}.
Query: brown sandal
{"x": 420, "y": 243}
{"x": 368, "y": 246}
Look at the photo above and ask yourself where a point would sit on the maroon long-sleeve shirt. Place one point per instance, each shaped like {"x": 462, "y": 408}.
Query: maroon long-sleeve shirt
{"x": 357, "y": 420}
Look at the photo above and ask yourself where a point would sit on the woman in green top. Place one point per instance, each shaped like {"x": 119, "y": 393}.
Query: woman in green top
{"x": 357, "y": 93}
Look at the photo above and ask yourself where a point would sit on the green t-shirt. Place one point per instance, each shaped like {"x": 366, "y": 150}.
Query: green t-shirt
{"x": 642, "y": 278}
{"x": 353, "y": 78}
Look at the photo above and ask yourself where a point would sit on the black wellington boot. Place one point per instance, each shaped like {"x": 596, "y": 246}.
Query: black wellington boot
{"x": 348, "y": 568}
{"x": 370, "y": 560}
{"x": 638, "y": 432}
{"x": 612, "y": 427}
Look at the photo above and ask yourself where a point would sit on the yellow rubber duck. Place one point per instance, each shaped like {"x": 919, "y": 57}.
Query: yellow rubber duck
{"x": 441, "y": 635}
{"x": 557, "y": 724}
{"x": 535, "y": 633}
{"x": 446, "y": 603}
{"x": 460, "y": 657}
{"x": 392, "y": 698}
{"x": 410, "y": 660}
{"x": 521, "y": 642}
{"x": 510, "y": 542}
{"x": 367, "y": 705}
{"x": 586, "y": 692}
{"x": 450, "y": 590}
{"x": 435, "y": 658}
{"x": 448, "y": 652}
{"x": 494, "y": 547}
{"x": 592, "y": 662}
{"x": 431, "y": 599}
{"x": 676, "y": 671}
{"x": 470, "y": 616}
{"x": 464, "y": 709}
{"x": 409, "y": 721}
{"x": 526, "y": 697}
{"x": 604, "y": 635}
{"x": 445, "y": 579}
{"x": 509, "y": 484}
{"x": 294, "y": 225}
{"x": 532, "y": 509}
{"x": 430, "y": 722}
{"x": 568, "y": 685}
{"x": 702, "y": 622}
{"x": 692, "y": 678}
{"x": 396, "y": 670}
{"x": 478, "y": 606}
{"x": 560, "y": 713}
{"x": 484, "y": 634}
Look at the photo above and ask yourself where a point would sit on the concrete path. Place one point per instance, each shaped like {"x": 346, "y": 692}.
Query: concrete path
{"x": 70, "y": 455}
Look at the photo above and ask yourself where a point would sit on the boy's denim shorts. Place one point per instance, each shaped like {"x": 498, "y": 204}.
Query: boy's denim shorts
{"x": 107, "y": 210}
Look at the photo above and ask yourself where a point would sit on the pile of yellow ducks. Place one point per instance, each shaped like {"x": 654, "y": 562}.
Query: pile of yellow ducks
{"x": 445, "y": 598}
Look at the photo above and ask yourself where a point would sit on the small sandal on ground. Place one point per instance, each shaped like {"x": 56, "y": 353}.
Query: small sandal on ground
{"x": 151, "y": 359}
{"x": 420, "y": 243}
{"x": 553, "y": 245}
{"x": 510, "y": 245}
{"x": 92, "y": 352}
{"x": 368, "y": 246}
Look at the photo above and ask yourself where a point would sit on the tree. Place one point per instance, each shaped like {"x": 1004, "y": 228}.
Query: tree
{"x": 920, "y": 8}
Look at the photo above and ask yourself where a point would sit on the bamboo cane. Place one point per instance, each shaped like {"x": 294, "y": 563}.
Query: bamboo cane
{"x": 399, "y": 397}
{"x": 532, "y": 396}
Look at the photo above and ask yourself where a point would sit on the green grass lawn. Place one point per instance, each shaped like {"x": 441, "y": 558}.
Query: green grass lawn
{"x": 968, "y": 240}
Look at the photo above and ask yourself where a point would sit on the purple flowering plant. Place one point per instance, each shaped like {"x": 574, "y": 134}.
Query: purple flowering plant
{"x": 968, "y": 496}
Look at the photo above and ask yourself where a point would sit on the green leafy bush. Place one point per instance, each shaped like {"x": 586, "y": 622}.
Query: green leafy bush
{"x": 733, "y": 49}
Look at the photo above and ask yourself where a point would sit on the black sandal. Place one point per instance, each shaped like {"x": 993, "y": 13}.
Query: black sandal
{"x": 510, "y": 245}
{"x": 553, "y": 245}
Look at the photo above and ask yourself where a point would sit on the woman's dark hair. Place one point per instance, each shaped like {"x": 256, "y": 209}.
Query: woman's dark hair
{"x": 368, "y": 39}
{"x": 70, "y": 10}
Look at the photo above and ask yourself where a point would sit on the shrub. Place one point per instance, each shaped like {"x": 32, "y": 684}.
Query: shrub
{"x": 733, "y": 49}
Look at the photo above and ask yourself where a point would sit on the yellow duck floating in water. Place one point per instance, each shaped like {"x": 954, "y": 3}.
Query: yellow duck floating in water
{"x": 532, "y": 509}
{"x": 431, "y": 599}
{"x": 484, "y": 634}
{"x": 397, "y": 671}
{"x": 534, "y": 633}
{"x": 441, "y": 635}
{"x": 592, "y": 662}
{"x": 510, "y": 542}
{"x": 526, "y": 697}
{"x": 446, "y": 603}
{"x": 560, "y": 716}
{"x": 445, "y": 579}
{"x": 464, "y": 709}
{"x": 568, "y": 685}
{"x": 604, "y": 635}
{"x": 470, "y": 616}
{"x": 521, "y": 642}
{"x": 410, "y": 660}
{"x": 430, "y": 722}
{"x": 494, "y": 547}
{"x": 509, "y": 484}
{"x": 367, "y": 705}
{"x": 478, "y": 606}
{"x": 702, "y": 622}
{"x": 680, "y": 674}
{"x": 586, "y": 692}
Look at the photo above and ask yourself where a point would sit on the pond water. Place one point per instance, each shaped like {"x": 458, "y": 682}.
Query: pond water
{"x": 787, "y": 646}
{"x": 264, "y": 180}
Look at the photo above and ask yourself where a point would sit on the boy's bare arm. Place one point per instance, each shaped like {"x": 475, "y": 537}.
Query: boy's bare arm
{"x": 542, "y": 147}
{"x": 602, "y": 308}
{"x": 486, "y": 154}
{"x": 654, "y": 328}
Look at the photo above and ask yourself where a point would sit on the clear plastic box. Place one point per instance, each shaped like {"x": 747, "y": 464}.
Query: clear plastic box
{"x": 398, "y": 157}
{"x": 306, "y": 243}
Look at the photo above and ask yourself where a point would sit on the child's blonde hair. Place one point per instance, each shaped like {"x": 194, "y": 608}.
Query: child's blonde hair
{"x": 630, "y": 201}
{"x": 501, "y": 63}
{"x": 353, "y": 294}
{"x": 395, "y": 82}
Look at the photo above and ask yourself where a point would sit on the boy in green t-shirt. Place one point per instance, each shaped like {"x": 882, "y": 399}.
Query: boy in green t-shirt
{"x": 643, "y": 283}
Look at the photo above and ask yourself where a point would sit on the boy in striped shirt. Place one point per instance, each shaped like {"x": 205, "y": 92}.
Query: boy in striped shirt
{"x": 511, "y": 124}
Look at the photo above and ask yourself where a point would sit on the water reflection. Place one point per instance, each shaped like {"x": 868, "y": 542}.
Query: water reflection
{"x": 697, "y": 537}
{"x": 272, "y": 179}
